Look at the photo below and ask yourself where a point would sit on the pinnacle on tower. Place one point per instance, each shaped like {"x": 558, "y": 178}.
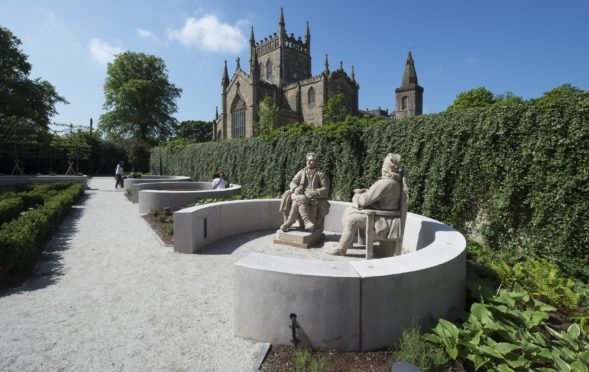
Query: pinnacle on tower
{"x": 252, "y": 38}
{"x": 307, "y": 34}
{"x": 281, "y": 29}
{"x": 353, "y": 74}
{"x": 409, "y": 75}
{"x": 281, "y": 22}
{"x": 326, "y": 65}
{"x": 225, "y": 79}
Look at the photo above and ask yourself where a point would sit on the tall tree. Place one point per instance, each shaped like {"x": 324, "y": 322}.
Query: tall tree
{"x": 26, "y": 105}
{"x": 268, "y": 116}
{"x": 336, "y": 109}
{"x": 139, "y": 99}
{"x": 195, "y": 130}
{"x": 478, "y": 97}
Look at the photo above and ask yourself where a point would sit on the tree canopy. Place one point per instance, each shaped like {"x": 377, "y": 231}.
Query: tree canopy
{"x": 195, "y": 130}
{"x": 26, "y": 105}
{"x": 336, "y": 109}
{"x": 139, "y": 99}
{"x": 267, "y": 116}
{"x": 478, "y": 97}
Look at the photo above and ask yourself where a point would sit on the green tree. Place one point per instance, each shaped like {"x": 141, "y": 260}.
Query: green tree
{"x": 268, "y": 116}
{"x": 507, "y": 97}
{"x": 478, "y": 97}
{"x": 195, "y": 130}
{"x": 139, "y": 101}
{"x": 336, "y": 109}
{"x": 26, "y": 105}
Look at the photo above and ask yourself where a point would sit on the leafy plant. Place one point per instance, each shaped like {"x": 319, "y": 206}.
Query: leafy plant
{"x": 414, "y": 349}
{"x": 301, "y": 357}
{"x": 541, "y": 279}
{"x": 509, "y": 332}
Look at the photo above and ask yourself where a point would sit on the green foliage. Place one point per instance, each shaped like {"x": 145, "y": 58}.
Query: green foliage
{"x": 509, "y": 332}
{"x": 26, "y": 105}
{"x": 139, "y": 101}
{"x": 304, "y": 362}
{"x": 413, "y": 348}
{"x": 541, "y": 279}
{"x": 22, "y": 237}
{"x": 512, "y": 176}
{"x": 195, "y": 130}
{"x": 217, "y": 200}
{"x": 478, "y": 97}
{"x": 267, "y": 116}
{"x": 10, "y": 208}
{"x": 336, "y": 109}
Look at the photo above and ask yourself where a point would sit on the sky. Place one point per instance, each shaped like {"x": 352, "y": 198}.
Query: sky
{"x": 526, "y": 47}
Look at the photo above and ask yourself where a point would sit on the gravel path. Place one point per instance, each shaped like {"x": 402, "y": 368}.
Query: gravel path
{"x": 109, "y": 296}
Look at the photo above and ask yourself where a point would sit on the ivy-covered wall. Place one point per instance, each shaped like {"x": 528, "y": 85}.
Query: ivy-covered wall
{"x": 514, "y": 175}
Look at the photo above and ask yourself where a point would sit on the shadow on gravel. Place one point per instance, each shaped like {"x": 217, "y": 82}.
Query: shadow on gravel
{"x": 47, "y": 268}
{"x": 229, "y": 245}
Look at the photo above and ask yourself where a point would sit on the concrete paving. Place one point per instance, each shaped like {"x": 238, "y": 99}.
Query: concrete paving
{"x": 108, "y": 296}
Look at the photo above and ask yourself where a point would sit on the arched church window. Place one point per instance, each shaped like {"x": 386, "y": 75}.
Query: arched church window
{"x": 269, "y": 70}
{"x": 311, "y": 97}
{"x": 404, "y": 101}
{"x": 238, "y": 117}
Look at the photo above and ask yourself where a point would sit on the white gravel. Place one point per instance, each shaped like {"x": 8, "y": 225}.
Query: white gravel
{"x": 109, "y": 296}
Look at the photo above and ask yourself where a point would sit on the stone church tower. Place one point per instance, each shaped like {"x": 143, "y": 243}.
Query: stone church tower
{"x": 279, "y": 67}
{"x": 409, "y": 96}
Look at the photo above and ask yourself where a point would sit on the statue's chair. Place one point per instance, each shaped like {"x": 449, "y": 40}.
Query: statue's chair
{"x": 391, "y": 239}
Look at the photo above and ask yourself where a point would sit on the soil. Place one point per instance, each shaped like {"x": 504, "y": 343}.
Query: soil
{"x": 282, "y": 358}
{"x": 160, "y": 229}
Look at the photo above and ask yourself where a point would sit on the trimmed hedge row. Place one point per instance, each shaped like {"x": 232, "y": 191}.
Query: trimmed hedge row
{"x": 16, "y": 200}
{"x": 21, "y": 238}
{"x": 514, "y": 176}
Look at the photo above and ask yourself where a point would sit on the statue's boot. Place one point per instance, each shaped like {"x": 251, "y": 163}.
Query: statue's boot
{"x": 292, "y": 218}
{"x": 338, "y": 250}
{"x": 305, "y": 211}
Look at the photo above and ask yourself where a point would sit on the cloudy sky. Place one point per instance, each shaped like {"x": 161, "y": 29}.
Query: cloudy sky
{"x": 523, "y": 46}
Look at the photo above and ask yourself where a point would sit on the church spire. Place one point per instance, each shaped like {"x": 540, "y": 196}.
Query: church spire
{"x": 353, "y": 74}
{"x": 326, "y": 65}
{"x": 225, "y": 80}
{"x": 308, "y": 39}
{"x": 281, "y": 29}
{"x": 409, "y": 75}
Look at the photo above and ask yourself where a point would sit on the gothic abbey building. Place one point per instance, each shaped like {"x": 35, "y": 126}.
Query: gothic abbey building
{"x": 280, "y": 67}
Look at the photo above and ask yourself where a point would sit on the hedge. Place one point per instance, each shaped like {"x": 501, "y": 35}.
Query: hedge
{"x": 23, "y": 237}
{"x": 513, "y": 175}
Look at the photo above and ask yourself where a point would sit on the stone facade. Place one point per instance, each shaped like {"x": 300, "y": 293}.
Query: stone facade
{"x": 280, "y": 67}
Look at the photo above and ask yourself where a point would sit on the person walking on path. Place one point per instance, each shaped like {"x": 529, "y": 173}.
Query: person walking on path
{"x": 119, "y": 172}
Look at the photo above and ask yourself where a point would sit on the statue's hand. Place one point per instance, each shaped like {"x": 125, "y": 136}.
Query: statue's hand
{"x": 309, "y": 194}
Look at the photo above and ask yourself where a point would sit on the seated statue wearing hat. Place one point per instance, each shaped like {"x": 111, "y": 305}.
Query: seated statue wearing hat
{"x": 306, "y": 199}
{"x": 383, "y": 195}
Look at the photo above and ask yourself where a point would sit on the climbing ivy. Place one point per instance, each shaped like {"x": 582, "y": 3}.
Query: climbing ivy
{"x": 514, "y": 176}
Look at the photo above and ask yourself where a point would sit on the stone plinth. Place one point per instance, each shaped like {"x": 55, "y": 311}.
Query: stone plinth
{"x": 301, "y": 239}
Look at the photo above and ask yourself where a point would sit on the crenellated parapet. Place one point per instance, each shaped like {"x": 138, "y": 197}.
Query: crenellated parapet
{"x": 272, "y": 42}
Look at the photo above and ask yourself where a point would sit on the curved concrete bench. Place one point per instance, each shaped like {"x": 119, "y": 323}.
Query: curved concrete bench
{"x": 177, "y": 195}
{"x": 346, "y": 305}
{"x": 16, "y": 180}
{"x": 130, "y": 183}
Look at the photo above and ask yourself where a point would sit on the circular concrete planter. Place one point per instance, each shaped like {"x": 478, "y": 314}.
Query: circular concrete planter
{"x": 178, "y": 195}
{"x": 130, "y": 183}
{"x": 346, "y": 305}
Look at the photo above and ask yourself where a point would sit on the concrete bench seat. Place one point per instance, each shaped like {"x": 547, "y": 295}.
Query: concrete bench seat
{"x": 345, "y": 305}
{"x": 178, "y": 195}
{"x": 130, "y": 184}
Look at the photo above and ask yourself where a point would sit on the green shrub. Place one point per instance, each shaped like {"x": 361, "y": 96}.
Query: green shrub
{"x": 10, "y": 209}
{"x": 413, "y": 348}
{"x": 21, "y": 238}
{"x": 512, "y": 176}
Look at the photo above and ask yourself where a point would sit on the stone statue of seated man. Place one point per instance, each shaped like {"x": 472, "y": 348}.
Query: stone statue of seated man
{"x": 306, "y": 198}
{"x": 383, "y": 195}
